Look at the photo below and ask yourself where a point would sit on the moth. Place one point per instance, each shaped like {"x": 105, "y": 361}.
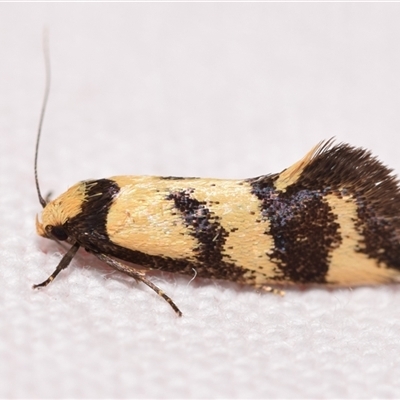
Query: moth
{"x": 332, "y": 218}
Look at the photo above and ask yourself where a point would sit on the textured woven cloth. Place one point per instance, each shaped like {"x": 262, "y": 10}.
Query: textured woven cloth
{"x": 223, "y": 90}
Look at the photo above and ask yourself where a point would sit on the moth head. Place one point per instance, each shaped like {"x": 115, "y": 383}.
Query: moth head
{"x": 53, "y": 223}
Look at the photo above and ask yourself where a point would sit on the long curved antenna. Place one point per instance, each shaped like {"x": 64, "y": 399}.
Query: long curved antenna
{"x": 43, "y": 111}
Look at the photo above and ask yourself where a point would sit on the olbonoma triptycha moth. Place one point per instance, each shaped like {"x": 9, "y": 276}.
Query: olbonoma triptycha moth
{"x": 332, "y": 218}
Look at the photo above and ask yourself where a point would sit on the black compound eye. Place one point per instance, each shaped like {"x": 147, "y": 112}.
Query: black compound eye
{"x": 57, "y": 232}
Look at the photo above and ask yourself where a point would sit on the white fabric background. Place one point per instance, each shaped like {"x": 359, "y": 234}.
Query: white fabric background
{"x": 214, "y": 90}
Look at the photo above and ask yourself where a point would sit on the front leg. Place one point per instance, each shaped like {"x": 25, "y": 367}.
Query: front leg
{"x": 139, "y": 276}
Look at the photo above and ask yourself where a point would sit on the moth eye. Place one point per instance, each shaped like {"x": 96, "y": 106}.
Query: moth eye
{"x": 57, "y": 232}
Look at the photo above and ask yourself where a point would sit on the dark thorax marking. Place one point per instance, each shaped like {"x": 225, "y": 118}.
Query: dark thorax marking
{"x": 89, "y": 227}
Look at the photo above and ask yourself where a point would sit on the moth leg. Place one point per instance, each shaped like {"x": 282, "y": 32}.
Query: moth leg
{"x": 65, "y": 261}
{"x": 139, "y": 276}
{"x": 270, "y": 289}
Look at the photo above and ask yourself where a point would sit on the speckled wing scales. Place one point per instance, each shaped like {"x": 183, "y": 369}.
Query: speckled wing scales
{"x": 331, "y": 218}
{"x": 210, "y": 225}
{"x": 334, "y": 218}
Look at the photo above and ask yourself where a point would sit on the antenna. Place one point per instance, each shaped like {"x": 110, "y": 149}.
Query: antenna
{"x": 46, "y": 55}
